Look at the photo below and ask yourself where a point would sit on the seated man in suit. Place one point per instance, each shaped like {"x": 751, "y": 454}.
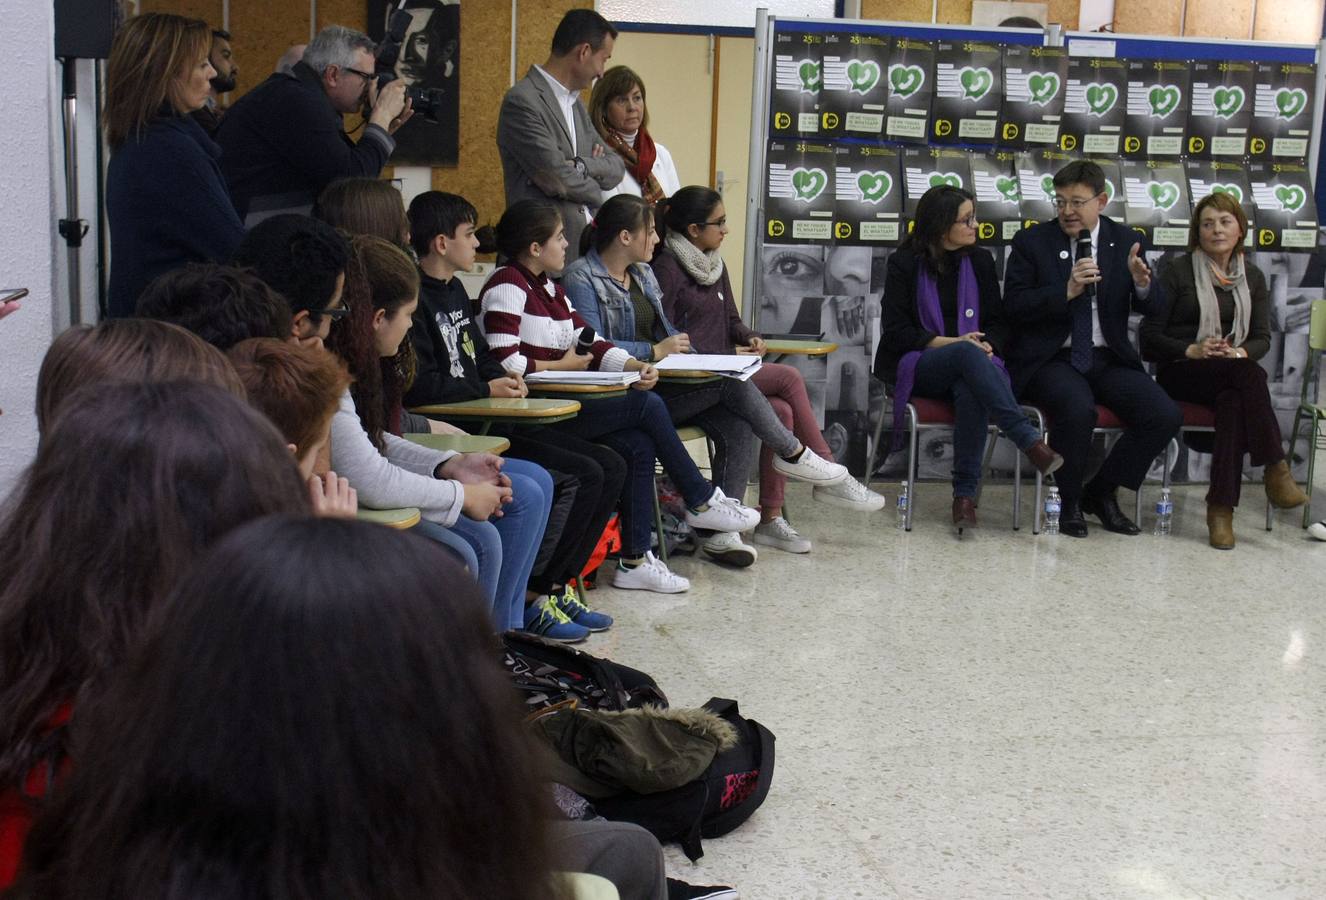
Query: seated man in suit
{"x": 1070, "y": 348}
{"x": 549, "y": 147}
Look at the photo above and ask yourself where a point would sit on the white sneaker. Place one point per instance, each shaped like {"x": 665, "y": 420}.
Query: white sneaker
{"x": 1318, "y": 530}
{"x": 780, "y": 533}
{"x": 850, "y": 494}
{"x": 723, "y": 514}
{"x": 811, "y": 467}
{"x": 651, "y": 575}
{"x": 727, "y": 547}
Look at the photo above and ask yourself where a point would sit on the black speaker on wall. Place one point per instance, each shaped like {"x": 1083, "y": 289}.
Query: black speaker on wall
{"x": 84, "y": 28}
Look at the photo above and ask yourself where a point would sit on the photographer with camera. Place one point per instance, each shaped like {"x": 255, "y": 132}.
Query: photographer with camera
{"x": 284, "y": 141}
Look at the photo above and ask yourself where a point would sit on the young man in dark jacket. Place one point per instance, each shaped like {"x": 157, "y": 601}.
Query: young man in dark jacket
{"x": 454, "y": 364}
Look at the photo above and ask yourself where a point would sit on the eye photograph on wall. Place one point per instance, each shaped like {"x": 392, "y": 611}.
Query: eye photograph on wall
{"x": 419, "y": 43}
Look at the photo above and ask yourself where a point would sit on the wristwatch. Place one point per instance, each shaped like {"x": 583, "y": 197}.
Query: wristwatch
{"x": 579, "y": 164}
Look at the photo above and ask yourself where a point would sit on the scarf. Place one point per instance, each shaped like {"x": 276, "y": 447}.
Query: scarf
{"x": 932, "y": 319}
{"x": 705, "y": 266}
{"x": 639, "y": 155}
{"x": 1207, "y": 277}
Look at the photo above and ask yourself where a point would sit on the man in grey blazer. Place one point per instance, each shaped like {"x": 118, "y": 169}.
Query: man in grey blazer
{"x": 549, "y": 148}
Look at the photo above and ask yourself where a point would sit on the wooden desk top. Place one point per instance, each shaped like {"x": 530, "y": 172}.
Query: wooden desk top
{"x": 407, "y": 517}
{"x": 493, "y": 408}
{"x": 591, "y": 391}
{"x": 799, "y": 348}
{"x": 461, "y": 443}
{"x": 685, "y": 375}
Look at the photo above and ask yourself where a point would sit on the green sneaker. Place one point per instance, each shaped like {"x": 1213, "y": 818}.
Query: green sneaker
{"x": 542, "y": 617}
{"x": 569, "y": 603}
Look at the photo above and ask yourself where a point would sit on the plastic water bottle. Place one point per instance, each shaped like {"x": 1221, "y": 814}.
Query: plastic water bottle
{"x": 1164, "y": 513}
{"x": 1053, "y": 506}
{"x": 903, "y": 500}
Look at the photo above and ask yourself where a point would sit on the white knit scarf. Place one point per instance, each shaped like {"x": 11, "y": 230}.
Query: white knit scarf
{"x": 1209, "y": 325}
{"x": 705, "y": 266}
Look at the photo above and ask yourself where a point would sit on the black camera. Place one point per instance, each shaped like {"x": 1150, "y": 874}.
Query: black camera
{"x": 426, "y": 101}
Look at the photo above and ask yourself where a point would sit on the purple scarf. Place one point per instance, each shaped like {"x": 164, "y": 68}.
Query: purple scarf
{"x": 932, "y": 319}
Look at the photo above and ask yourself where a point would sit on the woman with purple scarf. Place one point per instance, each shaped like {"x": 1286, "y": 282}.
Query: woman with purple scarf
{"x": 940, "y": 338}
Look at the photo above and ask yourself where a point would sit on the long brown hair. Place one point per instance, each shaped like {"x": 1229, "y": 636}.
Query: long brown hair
{"x": 298, "y": 388}
{"x": 380, "y": 276}
{"x": 131, "y": 483}
{"x": 149, "y": 55}
{"x": 126, "y": 350}
{"x": 365, "y": 206}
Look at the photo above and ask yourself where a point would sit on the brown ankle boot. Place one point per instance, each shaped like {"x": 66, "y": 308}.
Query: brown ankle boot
{"x": 1220, "y": 522}
{"x": 1043, "y": 458}
{"x": 964, "y": 513}
{"x": 1281, "y": 489}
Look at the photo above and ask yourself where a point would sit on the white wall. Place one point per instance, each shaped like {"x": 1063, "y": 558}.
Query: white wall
{"x": 28, "y": 143}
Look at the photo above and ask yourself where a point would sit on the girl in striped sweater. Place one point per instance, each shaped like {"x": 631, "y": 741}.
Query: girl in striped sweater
{"x": 531, "y": 327}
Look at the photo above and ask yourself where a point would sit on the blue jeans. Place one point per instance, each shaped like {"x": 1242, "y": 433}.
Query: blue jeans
{"x": 639, "y": 429}
{"x": 961, "y": 374}
{"x": 483, "y": 567}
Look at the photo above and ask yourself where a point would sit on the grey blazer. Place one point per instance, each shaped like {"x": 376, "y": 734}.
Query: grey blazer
{"x": 538, "y": 161}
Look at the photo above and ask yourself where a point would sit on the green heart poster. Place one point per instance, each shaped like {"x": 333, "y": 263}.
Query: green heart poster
{"x": 868, "y": 196}
{"x": 1282, "y": 112}
{"x": 856, "y": 67}
{"x": 911, "y": 75}
{"x": 1033, "y": 101}
{"x": 1221, "y": 177}
{"x": 798, "y": 192}
{"x": 927, "y": 167}
{"x": 969, "y": 86}
{"x": 1095, "y": 104}
{"x": 995, "y": 184}
{"x": 796, "y": 83}
{"x": 1220, "y": 109}
{"x": 1157, "y": 109}
{"x": 1286, "y": 212}
{"x": 1156, "y": 200}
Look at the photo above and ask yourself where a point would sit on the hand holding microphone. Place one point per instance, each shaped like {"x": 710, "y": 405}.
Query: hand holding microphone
{"x": 1085, "y": 273}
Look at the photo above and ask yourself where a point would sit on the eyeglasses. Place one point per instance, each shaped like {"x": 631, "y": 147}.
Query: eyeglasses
{"x": 364, "y": 75}
{"x": 717, "y": 223}
{"x": 335, "y": 313}
{"x": 970, "y": 221}
{"x": 1075, "y": 204}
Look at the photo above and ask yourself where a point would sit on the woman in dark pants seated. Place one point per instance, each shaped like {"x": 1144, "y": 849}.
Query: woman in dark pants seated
{"x": 1207, "y": 345}
{"x": 940, "y": 337}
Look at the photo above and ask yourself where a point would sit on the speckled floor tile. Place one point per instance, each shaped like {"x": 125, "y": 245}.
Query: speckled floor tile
{"x": 1011, "y": 715}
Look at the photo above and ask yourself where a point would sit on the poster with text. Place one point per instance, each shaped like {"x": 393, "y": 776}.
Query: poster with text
{"x": 798, "y": 192}
{"x": 1281, "y": 112}
{"x": 855, "y": 95}
{"x": 1033, "y": 101}
{"x": 1157, "y": 109}
{"x": 1035, "y": 173}
{"x": 798, "y": 78}
{"x": 998, "y": 210}
{"x": 1156, "y": 200}
{"x": 1114, "y": 199}
{"x": 1220, "y": 177}
{"x": 1286, "y": 213}
{"x": 927, "y": 167}
{"x": 1220, "y": 111}
{"x": 911, "y": 85}
{"x": 868, "y": 196}
{"x": 968, "y": 91}
{"x": 1094, "y": 106}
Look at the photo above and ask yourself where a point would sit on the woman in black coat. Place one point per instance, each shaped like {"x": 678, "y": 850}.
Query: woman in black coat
{"x": 940, "y": 338}
{"x": 1207, "y": 344}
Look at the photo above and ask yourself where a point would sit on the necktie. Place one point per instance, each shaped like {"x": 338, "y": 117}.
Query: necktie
{"x": 1080, "y": 308}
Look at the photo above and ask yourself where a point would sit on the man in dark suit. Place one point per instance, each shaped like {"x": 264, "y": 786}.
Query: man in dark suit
{"x": 1070, "y": 348}
{"x": 549, "y": 148}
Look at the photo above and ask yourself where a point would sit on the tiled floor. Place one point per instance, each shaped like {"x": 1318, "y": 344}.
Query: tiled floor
{"x": 1010, "y": 715}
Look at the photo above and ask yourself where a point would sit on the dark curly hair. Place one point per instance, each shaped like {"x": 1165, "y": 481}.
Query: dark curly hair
{"x": 223, "y": 305}
{"x": 299, "y": 257}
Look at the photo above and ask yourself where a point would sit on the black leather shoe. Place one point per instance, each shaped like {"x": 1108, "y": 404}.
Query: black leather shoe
{"x": 1071, "y": 522}
{"x": 1106, "y": 508}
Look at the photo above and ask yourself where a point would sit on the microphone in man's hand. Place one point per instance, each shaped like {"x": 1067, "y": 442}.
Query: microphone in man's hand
{"x": 586, "y": 340}
{"x": 1084, "y": 252}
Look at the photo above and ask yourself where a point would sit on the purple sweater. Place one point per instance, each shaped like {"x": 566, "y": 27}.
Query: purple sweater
{"x": 707, "y": 314}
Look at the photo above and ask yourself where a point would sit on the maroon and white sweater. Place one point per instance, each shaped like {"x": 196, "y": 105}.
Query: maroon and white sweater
{"x": 526, "y": 317}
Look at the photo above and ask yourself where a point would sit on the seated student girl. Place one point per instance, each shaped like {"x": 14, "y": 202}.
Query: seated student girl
{"x": 298, "y": 725}
{"x": 454, "y": 364}
{"x": 531, "y": 327}
{"x": 132, "y": 481}
{"x": 612, "y": 287}
{"x": 941, "y": 336}
{"x": 382, "y": 290}
{"x": 697, "y": 295}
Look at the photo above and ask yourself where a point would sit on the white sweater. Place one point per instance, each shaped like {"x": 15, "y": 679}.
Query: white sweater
{"x": 665, "y": 170}
{"x": 401, "y": 476}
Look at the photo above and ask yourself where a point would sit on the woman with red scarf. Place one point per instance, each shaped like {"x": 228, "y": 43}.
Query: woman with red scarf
{"x": 617, "y": 108}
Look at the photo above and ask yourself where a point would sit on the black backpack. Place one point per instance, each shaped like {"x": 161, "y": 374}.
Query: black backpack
{"x": 733, "y": 787}
{"x": 547, "y": 673}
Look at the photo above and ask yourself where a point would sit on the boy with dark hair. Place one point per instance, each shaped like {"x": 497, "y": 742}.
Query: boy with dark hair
{"x": 304, "y": 261}
{"x": 454, "y": 364}
{"x": 223, "y": 305}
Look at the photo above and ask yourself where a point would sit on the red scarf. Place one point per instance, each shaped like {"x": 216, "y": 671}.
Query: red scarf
{"x": 640, "y": 159}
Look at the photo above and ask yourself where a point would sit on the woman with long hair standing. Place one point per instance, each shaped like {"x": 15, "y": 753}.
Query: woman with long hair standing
{"x": 166, "y": 201}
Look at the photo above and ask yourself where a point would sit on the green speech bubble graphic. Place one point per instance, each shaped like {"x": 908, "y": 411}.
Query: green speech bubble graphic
{"x": 873, "y": 186}
{"x": 1044, "y": 86}
{"x": 1164, "y": 99}
{"x": 1227, "y": 100}
{"x": 809, "y": 183}
{"x": 1007, "y": 188}
{"x": 1101, "y": 98}
{"x": 811, "y": 73}
{"x": 1289, "y": 102}
{"x": 976, "y": 82}
{"x": 905, "y": 80}
{"x": 937, "y": 179}
{"x": 1291, "y": 197}
{"x": 1163, "y": 194}
{"x": 863, "y": 75}
{"x": 1232, "y": 189}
